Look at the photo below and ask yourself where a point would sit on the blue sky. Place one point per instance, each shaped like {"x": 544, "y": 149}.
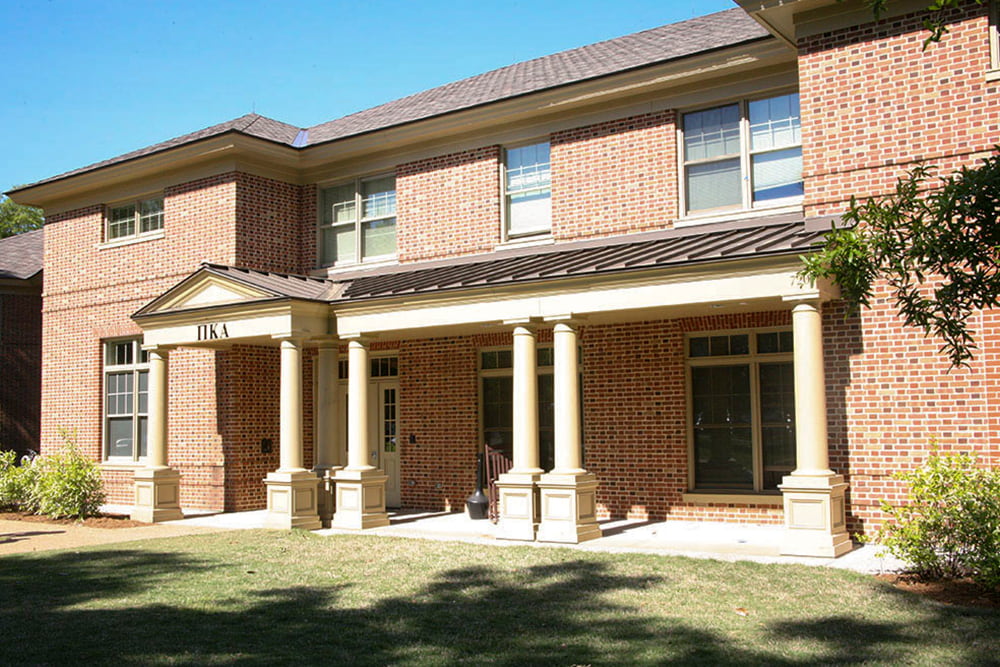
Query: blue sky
{"x": 85, "y": 80}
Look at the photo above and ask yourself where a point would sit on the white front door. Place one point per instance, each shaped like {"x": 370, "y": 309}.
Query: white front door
{"x": 387, "y": 433}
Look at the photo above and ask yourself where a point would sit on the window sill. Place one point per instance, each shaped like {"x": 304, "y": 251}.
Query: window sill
{"x": 117, "y": 243}
{"x": 993, "y": 75}
{"x": 526, "y": 241}
{"x": 360, "y": 266}
{"x": 699, "y": 498}
{"x": 736, "y": 214}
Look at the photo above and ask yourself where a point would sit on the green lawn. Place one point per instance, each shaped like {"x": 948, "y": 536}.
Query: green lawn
{"x": 291, "y": 597}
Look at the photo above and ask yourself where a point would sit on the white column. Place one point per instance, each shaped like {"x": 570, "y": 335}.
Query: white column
{"x": 327, "y": 456}
{"x": 813, "y": 495}
{"x": 156, "y": 434}
{"x": 357, "y": 405}
{"x": 291, "y": 406}
{"x": 568, "y": 494}
{"x": 360, "y": 486}
{"x": 292, "y": 491}
{"x": 157, "y": 486}
{"x": 518, "y": 502}
{"x": 526, "y": 457}
{"x": 326, "y": 452}
{"x": 568, "y": 454}
{"x": 811, "y": 445}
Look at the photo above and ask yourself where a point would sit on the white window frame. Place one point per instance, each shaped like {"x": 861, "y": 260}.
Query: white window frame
{"x": 753, "y": 360}
{"x": 505, "y": 194}
{"x": 747, "y": 204}
{"x": 994, "y": 19}
{"x": 138, "y": 366}
{"x": 138, "y": 219}
{"x": 358, "y": 223}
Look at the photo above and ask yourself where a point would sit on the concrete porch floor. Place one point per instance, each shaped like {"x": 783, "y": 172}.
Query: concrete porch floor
{"x": 697, "y": 539}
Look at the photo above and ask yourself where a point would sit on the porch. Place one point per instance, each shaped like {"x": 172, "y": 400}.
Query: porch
{"x": 586, "y": 318}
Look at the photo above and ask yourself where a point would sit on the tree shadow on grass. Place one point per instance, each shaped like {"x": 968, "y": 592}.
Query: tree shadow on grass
{"x": 488, "y": 614}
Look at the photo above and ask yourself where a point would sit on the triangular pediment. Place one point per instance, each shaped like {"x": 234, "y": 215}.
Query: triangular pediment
{"x": 204, "y": 289}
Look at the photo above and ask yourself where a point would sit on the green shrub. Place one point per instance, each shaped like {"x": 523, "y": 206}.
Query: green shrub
{"x": 17, "y": 483}
{"x": 68, "y": 484}
{"x": 950, "y": 526}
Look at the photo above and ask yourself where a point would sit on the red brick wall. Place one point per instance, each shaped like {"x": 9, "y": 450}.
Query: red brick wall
{"x": 21, "y": 370}
{"x": 448, "y": 205}
{"x": 874, "y": 102}
{"x": 891, "y": 396}
{"x": 270, "y": 232}
{"x": 616, "y": 177}
{"x": 439, "y": 406}
{"x": 90, "y": 293}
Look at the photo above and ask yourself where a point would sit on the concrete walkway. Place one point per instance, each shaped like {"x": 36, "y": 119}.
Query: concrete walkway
{"x": 696, "y": 539}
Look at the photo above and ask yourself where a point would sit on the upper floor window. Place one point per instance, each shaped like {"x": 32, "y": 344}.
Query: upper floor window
{"x": 358, "y": 222}
{"x": 135, "y": 218}
{"x": 126, "y": 399}
{"x": 743, "y": 155}
{"x": 527, "y": 190}
{"x": 994, "y": 35}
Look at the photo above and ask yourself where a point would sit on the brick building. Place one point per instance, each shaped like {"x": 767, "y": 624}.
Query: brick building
{"x": 586, "y": 261}
{"x": 20, "y": 341}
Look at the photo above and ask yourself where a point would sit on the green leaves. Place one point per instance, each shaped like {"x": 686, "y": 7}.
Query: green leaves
{"x": 935, "y": 243}
{"x": 15, "y": 218}
{"x": 950, "y": 525}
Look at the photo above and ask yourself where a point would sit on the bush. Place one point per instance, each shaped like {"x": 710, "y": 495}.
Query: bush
{"x": 17, "y": 483}
{"x": 950, "y": 526}
{"x": 68, "y": 484}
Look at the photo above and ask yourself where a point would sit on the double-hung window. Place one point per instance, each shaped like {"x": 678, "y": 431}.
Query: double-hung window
{"x": 743, "y": 155}
{"x": 134, "y": 219}
{"x": 742, "y": 403}
{"x": 126, "y": 399}
{"x": 358, "y": 221}
{"x": 527, "y": 185}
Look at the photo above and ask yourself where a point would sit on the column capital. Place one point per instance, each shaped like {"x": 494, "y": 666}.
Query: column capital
{"x": 522, "y": 322}
{"x": 326, "y": 342}
{"x": 569, "y": 319}
{"x": 814, "y": 297}
{"x": 291, "y": 336}
{"x": 357, "y": 337}
{"x": 159, "y": 349}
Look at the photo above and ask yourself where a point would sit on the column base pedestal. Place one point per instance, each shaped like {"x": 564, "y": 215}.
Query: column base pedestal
{"x": 157, "y": 495}
{"x": 292, "y": 500}
{"x": 568, "y": 508}
{"x": 815, "y": 521}
{"x": 360, "y": 499}
{"x": 518, "y": 506}
{"x": 325, "y": 504}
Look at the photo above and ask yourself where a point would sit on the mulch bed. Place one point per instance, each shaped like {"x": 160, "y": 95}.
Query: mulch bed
{"x": 102, "y": 521}
{"x": 958, "y": 592}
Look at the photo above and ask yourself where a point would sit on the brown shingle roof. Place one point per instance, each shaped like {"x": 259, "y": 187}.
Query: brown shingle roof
{"x": 21, "y": 255}
{"x": 253, "y": 125}
{"x": 669, "y": 42}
